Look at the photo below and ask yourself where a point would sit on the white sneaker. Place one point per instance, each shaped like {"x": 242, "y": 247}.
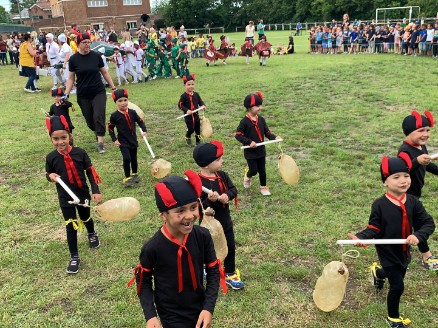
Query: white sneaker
{"x": 72, "y": 92}
{"x": 265, "y": 191}
{"x": 29, "y": 90}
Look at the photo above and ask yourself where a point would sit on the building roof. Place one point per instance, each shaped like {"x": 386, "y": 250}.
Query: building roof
{"x": 43, "y": 4}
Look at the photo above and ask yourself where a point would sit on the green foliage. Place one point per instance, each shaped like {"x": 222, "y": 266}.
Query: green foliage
{"x": 23, "y": 4}
{"x": 4, "y": 16}
{"x": 338, "y": 115}
{"x": 229, "y": 13}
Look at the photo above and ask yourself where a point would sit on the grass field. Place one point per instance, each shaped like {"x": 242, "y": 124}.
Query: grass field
{"x": 338, "y": 116}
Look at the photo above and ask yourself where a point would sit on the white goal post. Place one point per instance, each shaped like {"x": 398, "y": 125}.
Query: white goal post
{"x": 384, "y": 10}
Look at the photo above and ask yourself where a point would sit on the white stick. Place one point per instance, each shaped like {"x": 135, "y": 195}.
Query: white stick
{"x": 263, "y": 143}
{"x": 147, "y": 144}
{"x": 204, "y": 189}
{"x": 68, "y": 190}
{"x": 193, "y": 111}
{"x": 434, "y": 156}
{"x": 371, "y": 241}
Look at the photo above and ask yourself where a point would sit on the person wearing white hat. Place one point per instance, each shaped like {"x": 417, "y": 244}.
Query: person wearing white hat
{"x": 120, "y": 65}
{"x": 52, "y": 50}
{"x": 130, "y": 60}
{"x": 139, "y": 60}
{"x": 64, "y": 54}
{"x": 101, "y": 51}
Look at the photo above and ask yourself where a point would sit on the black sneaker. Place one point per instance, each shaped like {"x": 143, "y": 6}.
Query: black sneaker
{"x": 188, "y": 141}
{"x": 73, "y": 265}
{"x": 207, "y": 63}
{"x": 135, "y": 178}
{"x": 398, "y": 322}
{"x": 377, "y": 282}
{"x": 128, "y": 182}
{"x": 100, "y": 147}
{"x": 93, "y": 240}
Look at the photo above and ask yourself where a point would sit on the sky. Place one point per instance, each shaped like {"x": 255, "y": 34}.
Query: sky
{"x": 6, "y": 4}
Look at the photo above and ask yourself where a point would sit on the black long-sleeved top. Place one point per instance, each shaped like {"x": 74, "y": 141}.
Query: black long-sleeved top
{"x": 247, "y": 132}
{"x": 178, "y": 309}
{"x": 222, "y": 211}
{"x": 126, "y": 131}
{"x": 55, "y": 164}
{"x": 386, "y": 223}
{"x": 418, "y": 171}
{"x": 190, "y": 102}
{"x": 62, "y": 109}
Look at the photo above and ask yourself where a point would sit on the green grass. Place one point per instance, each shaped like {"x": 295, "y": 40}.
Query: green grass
{"x": 337, "y": 114}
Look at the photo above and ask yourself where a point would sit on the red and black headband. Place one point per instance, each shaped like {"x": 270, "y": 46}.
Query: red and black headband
{"x": 175, "y": 191}
{"x": 56, "y": 123}
{"x": 392, "y": 165}
{"x": 206, "y": 153}
{"x": 119, "y": 93}
{"x": 188, "y": 78}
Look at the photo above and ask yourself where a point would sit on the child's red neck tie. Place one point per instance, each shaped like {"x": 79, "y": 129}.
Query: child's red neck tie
{"x": 72, "y": 172}
{"x": 179, "y": 260}
{"x": 406, "y": 229}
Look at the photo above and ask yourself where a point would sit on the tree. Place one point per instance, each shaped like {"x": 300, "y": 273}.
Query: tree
{"x": 23, "y": 4}
{"x": 4, "y": 16}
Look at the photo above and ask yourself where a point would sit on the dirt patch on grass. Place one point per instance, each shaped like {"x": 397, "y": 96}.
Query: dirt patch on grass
{"x": 4, "y": 182}
{"x": 64, "y": 303}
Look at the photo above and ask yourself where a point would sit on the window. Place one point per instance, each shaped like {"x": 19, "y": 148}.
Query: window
{"x": 131, "y": 25}
{"x": 97, "y": 3}
{"x": 97, "y": 26}
{"x": 131, "y": 2}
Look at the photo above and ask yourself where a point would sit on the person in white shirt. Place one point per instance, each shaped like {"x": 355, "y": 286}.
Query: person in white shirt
{"x": 52, "y": 51}
{"x": 130, "y": 60}
{"x": 139, "y": 57}
{"x": 249, "y": 31}
{"x": 64, "y": 54}
{"x": 120, "y": 66}
{"x": 429, "y": 38}
{"x": 101, "y": 50}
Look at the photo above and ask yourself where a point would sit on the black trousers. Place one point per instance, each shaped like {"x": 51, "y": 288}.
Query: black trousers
{"x": 395, "y": 275}
{"x": 257, "y": 165}
{"x": 72, "y": 233}
{"x": 129, "y": 160}
{"x": 94, "y": 112}
{"x": 193, "y": 124}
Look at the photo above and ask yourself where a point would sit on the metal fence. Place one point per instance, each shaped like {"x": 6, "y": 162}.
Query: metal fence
{"x": 9, "y": 28}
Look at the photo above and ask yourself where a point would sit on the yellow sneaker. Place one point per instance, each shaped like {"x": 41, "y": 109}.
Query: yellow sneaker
{"x": 246, "y": 180}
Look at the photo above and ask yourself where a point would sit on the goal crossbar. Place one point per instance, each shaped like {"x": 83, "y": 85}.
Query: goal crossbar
{"x": 395, "y": 8}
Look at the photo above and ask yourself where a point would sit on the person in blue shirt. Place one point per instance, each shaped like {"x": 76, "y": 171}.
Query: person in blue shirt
{"x": 353, "y": 40}
{"x": 261, "y": 28}
{"x": 422, "y": 39}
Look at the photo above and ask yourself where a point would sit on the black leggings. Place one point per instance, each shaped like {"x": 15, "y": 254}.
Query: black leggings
{"x": 395, "y": 275}
{"x": 193, "y": 125}
{"x": 94, "y": 113}
{"x": 257, "y": 165}
{"x": 129, "y": 160}
{"x": 435, "y": 49}
{"x": 72, "y": 233}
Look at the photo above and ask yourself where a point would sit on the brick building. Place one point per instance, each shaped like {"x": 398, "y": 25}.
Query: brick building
{"x": 121, "y": 14}
{"x": 40, "y": 10}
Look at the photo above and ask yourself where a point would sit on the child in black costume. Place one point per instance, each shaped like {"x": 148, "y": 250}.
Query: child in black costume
{"x": 395, "y": 215}
{"x": 124, "y": 120}
{"x": 61, "y": 106}
{"x": 71, "y": 164}
{"x": 209, "y": 157}
{"x": 174, "y": 259}
{"x": 416, "y": 127}
{"x": 251, "y": 130}
{"x": 189, "y": 101}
